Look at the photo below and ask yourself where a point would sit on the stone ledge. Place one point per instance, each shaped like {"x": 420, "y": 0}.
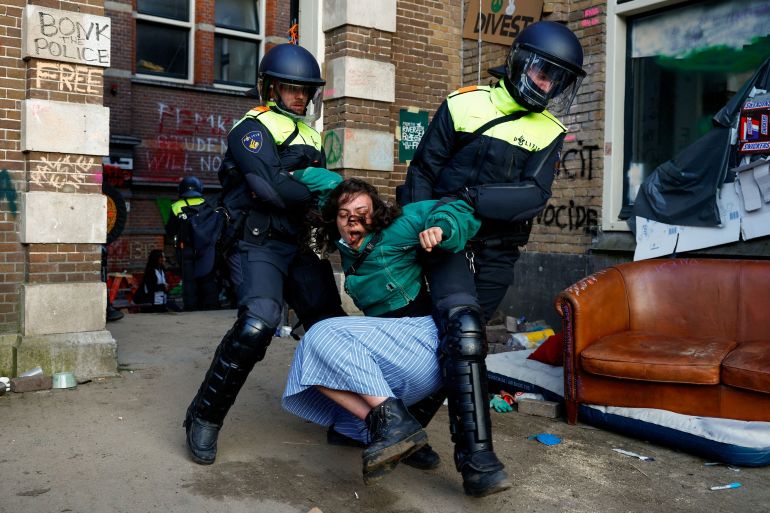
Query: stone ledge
{"x": 89, "y": 354}
{"x": 377, "y": 14}
{"x": 8, "y": 345}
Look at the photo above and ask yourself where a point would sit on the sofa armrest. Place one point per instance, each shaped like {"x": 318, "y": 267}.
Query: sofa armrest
{"x": 598, "y": 306}
{"x": 592, "y": 308}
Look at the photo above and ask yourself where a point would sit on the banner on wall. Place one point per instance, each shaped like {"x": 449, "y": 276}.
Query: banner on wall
{"x": 500, "y": 21}
{"x": 412, "y": 125}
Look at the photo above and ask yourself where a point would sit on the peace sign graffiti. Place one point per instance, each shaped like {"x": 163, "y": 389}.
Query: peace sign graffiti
{"x": 332, "y": 147}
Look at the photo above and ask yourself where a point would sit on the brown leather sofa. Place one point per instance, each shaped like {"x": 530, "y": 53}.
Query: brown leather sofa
{"x": 690, "y": 336}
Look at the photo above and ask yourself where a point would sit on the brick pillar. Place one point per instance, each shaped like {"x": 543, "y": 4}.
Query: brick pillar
{"x": 360, "y": 87}
{"x": 54, "y": 215}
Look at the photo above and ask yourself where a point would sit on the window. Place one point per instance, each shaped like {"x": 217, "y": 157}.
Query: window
{"x": 237, "y": 42}
{"x": 164, "y": 38}
{"x": 675, "y": 64}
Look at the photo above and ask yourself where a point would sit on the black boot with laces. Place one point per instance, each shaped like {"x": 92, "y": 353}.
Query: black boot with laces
{"x": 395, "y": 434}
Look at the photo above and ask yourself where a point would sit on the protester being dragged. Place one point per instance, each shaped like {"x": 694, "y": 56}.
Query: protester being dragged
{"x": 359, "y": 374}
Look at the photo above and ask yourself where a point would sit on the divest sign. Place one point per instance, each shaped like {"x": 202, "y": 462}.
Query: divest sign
{"x": 500, "y": 21}
{"x": 66, "y": 36}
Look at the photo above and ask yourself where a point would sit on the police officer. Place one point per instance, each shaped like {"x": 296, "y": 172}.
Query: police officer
{"x": 269, "y": 261}
{"x": 200, "y": 289}
{"x": 495, "y": 147}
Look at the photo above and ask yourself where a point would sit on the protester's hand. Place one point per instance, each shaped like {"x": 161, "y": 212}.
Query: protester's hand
{"x": 500, "y": 405}
{"x": 431, "y": 238}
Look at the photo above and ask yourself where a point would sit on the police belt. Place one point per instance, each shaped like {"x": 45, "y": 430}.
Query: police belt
{"x": 517, "y": 236}
{"x": 282, "y": 237}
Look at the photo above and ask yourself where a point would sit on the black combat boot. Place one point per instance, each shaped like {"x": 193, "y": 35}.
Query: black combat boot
{"x": 423, "y": 411}
{"x": 482, "y": 472}
{"x": 242, "y": 346}
{"x": 465, "y": 376}
{"x": 201, "y": 437}
{"x": 395, "y": 434}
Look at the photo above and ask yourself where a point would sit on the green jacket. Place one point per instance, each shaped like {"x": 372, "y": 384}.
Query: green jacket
{"x": 390, "y": 277}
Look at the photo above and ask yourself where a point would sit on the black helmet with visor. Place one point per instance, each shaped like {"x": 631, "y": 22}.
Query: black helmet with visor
{"x": 190, "y": 187}
{"x": 290, "y": 66}
{"x": 545, "y": 67}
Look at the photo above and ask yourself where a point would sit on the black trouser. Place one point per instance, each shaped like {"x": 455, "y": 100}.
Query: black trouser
{"x": 197, "y": 293}
{"x": 458, "y": 314}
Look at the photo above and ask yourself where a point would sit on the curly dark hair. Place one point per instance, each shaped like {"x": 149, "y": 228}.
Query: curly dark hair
{"x": 153, "y": 261}
{"x": 383, "y": 214}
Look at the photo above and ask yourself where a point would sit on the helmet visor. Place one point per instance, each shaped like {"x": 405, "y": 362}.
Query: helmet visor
{"x": 541, "y": 81}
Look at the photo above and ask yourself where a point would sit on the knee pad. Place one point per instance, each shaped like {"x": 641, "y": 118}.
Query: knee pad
{"x": 249, "y": 340}
{"x": 464, "y": 338}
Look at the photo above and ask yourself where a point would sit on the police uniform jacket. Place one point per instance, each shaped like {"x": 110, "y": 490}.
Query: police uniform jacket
{"x": 506, "y": 171}
{"x": 174, "y": 226}
{"x": 263, "y": 148}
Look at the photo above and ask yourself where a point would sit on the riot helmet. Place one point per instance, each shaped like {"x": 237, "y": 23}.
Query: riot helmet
{"x": 293, "y": 71}
{"x": 545, "y": 67}
{"x": 190, "y": 187}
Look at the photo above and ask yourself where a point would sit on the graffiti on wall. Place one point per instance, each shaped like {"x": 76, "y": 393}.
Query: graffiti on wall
{"x": 133, "y": 249}
{"x": 65, "y": 173}
{"x": 188, "y": 141}
{"x": 576, "y": 163}
{"x": 67, "y": 36}
{"x": 8, "y": 191}
{"x": 332, "y": 147}
{"x": 572, "y": 217}
{"x": 68, "y": 78}
{"x": 590, "y": 17}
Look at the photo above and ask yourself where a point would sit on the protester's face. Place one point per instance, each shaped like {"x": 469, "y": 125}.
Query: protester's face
{"x": 294, "y": 97}
{"x": 353, "y": 216}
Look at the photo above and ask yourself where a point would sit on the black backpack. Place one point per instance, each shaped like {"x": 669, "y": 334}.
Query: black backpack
{"x": 200, "y": 228}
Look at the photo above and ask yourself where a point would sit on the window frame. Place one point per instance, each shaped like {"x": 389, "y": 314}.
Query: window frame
{"x": 616, "y": 61}
{"x": 258, "y": 37}
{"x": 190, "y": 26}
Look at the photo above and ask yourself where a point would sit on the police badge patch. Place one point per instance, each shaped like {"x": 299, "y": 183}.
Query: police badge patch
{"x": 252, "y": 141}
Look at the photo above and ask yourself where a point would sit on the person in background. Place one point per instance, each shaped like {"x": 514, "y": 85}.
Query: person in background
{"x": 496, "y": 148}
{"x": 200, "y": 288}
{"x": 358, "y": 374}
{"x": 152, "y": 294}
{"x": 265, "y": 242}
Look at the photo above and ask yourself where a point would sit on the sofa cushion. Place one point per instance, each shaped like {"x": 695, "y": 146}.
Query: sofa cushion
{"x": 748, "y": 366}
{"x": 647, "y": 356}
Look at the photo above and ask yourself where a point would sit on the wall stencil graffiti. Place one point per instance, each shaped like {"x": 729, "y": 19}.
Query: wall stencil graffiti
{"x": 571, "y": 217}
{"x": 8, "y": 191}
{"x": 188, "y": 141}
{"x": 65, "y": 173}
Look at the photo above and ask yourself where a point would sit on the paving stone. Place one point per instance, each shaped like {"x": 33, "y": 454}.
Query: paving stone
{"x": 31, "y": 383}
{"x": 548, "y": 409}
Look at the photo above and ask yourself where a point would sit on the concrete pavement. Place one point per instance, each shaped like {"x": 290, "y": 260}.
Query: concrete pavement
{"x": 117, "y": 445}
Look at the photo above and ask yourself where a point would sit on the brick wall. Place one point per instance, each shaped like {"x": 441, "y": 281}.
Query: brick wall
{"x": 12, "y": 170}
{"x": 117, "y": 87}
{"x": 34, "y": 79}
{"x": 182, "y": 129}
{"x": 426, "y": 52}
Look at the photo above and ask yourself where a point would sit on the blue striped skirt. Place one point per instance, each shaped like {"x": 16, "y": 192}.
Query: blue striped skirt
{"x": 366, "y": 355}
